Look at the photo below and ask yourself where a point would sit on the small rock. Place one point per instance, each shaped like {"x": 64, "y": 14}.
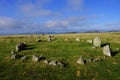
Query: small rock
{"x": 78, "y": 73}
{"x": 96, "y": 60}
{"x": 89, "y": 60}
{"x": 35, "y": 58}
{"x": 93, "y": 47}
{"x": 54, "y": 63}
{"x": 59, "y": 63}
{"x": 13, "y": 52}
{"x": 77, "y": 39}
{"x": 24, "y": 57}
{"x": 46, "y": 61}
{"x": 80, "y": 60}
{"x": 14, "y": 56}
{"x": 89, "y": 41}
{"x": 66, "y": 39}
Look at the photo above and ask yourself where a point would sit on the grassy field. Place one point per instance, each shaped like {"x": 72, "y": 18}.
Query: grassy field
{"x": 59, "y": 49}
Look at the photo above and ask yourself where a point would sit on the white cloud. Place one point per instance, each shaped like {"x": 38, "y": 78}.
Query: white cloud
{"x": 70, "y": 21}
{"x": 75, "y": 4}
{"x": 36, "y": 8}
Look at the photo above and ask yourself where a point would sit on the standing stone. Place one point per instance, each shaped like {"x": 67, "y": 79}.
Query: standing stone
{"x": 89, "y": 41}
{"x": 97, "y": 42}
{"x": 77, "y": 39}
{"x": 80, "y": 60}
{"x": 106, "y": 50}
{"x": 49, "y": 38}
{"x": 21, "y": 46}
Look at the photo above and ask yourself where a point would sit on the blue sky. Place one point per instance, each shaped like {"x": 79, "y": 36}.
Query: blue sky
{"x": 22, "y": 16}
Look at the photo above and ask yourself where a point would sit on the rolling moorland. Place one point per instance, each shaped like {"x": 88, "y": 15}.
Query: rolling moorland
{"x": 66, "y": 51}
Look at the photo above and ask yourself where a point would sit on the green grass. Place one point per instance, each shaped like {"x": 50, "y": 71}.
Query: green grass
{"x": 61, "y": 50}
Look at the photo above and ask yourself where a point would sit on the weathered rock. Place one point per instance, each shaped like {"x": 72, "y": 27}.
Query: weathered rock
{"x": 93, "y": 47}
{"x": 54, "y": 63}
{"x": 89, "y": 60}
{"x": 35, "y": 58}
{"x": 89, "y": 41}
{"x": 80, "y": 60}
{"x": 21, "y": 46}
{"x": 106, "y": 50}
{"x": 66, "y": 39}
{"x": 96, "y": 60}
{"x": 46, "y": 61}
{"x": 59, "y": 63}
{"x": 14, "y": 56}
{"x": 97, "y": 42}
{"x": 49, "y": 38}
{"x": 13, "y": 52}
{"x": 24, "y": 58}
{"x": 78, "y": 74}
{"x": 77, "y": 39}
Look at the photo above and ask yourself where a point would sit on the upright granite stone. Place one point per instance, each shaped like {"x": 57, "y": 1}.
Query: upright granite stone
{"x": 21, "y": 46}
{"x": 97, "y": 42}
{"x": 49, "y": 38}
{"x": 106, "y": 50}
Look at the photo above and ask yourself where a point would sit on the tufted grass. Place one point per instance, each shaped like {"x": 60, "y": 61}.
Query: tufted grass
{"x": 66, "y": 51}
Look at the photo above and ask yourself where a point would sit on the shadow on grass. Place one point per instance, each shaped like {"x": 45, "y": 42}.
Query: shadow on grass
{"x": 102, "y": 45}
{"x": 29, "y": 47}
{"x": 113, "y": 53}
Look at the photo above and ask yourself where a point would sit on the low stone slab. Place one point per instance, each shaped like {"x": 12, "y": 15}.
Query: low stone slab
{"x": 14, "y": 56}
{"x": 35, "y": 58}
{"x": 89, "y": 41}
{"x": 54, "y": 63}
{"x": 80, "y": 60}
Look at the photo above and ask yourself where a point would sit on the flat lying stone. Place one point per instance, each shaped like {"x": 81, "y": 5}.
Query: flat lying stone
{"x": 24, "y": 57}
{"x": 89, "y": 41}
{"x": 14, "y": 56}
{"x": 54, "y": 63}
{"x": 35, "y": 58}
